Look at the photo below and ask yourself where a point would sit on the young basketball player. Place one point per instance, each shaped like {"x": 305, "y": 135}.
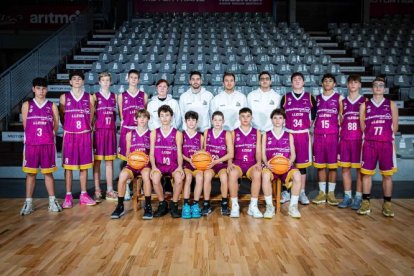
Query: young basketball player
{"x": 325, "y": 141}
{"x": 40, "y": 122}
{"x": 166, "y": 160}
{"x": 104, "y": 142}
{"x": 379, "y": 122}
{"x": 192, "y": 142}
{"x": 247, "y": 161}
{"x": 277, "y": 142}
{"x": 219, "y": 144}
{"x": 300, "y": 113}
{"x": 350, "y": 143}
{"x": 137, "y": 140}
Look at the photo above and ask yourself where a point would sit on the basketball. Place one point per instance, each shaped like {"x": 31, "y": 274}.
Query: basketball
{"x": 138, "y": 160}
{"x": 201, "y": 159}
{"x": 280, "y": 164}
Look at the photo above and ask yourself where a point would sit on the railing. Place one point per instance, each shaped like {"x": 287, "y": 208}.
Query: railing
{"x": 15, "y": 82}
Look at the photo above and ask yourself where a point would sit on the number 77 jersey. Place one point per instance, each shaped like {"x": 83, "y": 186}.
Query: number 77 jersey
{"x": 351, "y": 127}
{"x": 378, "y": 121}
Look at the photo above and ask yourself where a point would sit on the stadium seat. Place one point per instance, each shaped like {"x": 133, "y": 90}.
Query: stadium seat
{"x": 91, "y": 78}
{"x": 284, "y": 69}
{"x": 166, "y": 76}
{"x": 105, "y": 57}
{"x": 147, "y": 78}
{"x": 302, "y": 68}
{"x": 166, "y": 67}
{"x": 98, "y": 67}
{"x": 115, "y": 67}
{"x": 404, "y": 69}
{"x": 333, "y": 69}
{"x": 123, "y": 79}
{"x": 181, "y": 79}
{"x": 316, "y": 69}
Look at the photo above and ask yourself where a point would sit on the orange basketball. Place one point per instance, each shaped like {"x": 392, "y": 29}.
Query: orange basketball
{"x": 280, "y": 164}
{"x": 138, "y": 160}
{"x": 201, "y": 159}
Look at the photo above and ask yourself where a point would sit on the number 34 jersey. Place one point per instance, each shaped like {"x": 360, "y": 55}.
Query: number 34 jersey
{"x": 351, "y": 127}
{"x": 39, "y": 124}
{"x": 298, "y": 112}
{"x": 77, "y": 113}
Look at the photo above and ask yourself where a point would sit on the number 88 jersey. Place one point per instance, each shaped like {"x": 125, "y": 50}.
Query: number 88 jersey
{"x": 39, "y": 124}
{"x": 351, "y": 127}
{"x": 298, "y": 112}
{"x": 77, "y": 113}
{"x": 105, "y": 116}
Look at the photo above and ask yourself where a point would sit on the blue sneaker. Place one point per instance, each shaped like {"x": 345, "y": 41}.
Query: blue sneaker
{"x": 195, "y": 211}
{"x": 357, "y": 203}
{"x": 186, "y": 212}
{"x": 346, "y": 202}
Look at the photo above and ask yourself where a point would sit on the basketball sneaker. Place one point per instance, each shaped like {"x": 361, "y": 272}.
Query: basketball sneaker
{"x": 387, "y": 209}
{"x": 331, "y": 199}
{"x": 320, "y": 198}
{"x": 294, "y": 211}
{"x": 175, "y": 213}
{"x": 235, "y": 211}
{"x": 365, "y": 207}
{"x": 356, "y": 204}
{"x": 270, "y": 211}
{"x": 206, "y": 209}
{"x": 195, "y": 211}
{"x": 162, "y": 209}
{"x": 68, "y": 202}
{"x": 254, "y": 211}
{"x": 112, "y": 196}
{"x": 119, "y": 212}
{"x": 27, "y": 208}
{"x": 186, "y": 212}
{"x": 346, "y": 202}
{"x": 284, "y": 197}
{"x": 147, "y": 212}
{"x": 303, "y": 199}
{"x": 85, "y": 199}
{"x": 54, "y": 206}
{"x": 98, "y": 197}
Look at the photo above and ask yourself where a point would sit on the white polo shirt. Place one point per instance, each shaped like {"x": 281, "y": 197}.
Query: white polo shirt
{"x": 153, "y": 106}
{"x": 198, "y": 102}
{"x": 229, "y": 104}
{"x": 262, "y": 104}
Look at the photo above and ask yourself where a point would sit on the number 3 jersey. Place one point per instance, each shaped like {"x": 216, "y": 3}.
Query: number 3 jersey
{"x": 378, "y": 121}
{"x": 327, "y": 107}
{"x": 105, "y": 116}
{"x": 77, "y": 113}
{"x": 351, "y": 127}
{"x": 39, "y": 124}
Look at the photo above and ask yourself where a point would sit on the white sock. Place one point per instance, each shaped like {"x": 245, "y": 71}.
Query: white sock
{"x": 268, "y": 200}
{"x": 358, "y": 194}
{"x": 331, "y": 187}
{"x": 69, "y": 193}
{"x": 294, "y": 200}
{"x": 253, "y": 201}
{"x": 83, "y": 192}
{"x": 348, "y": 193}
{"x": 234, "y": 201}
{"x": 322, "y": 187}
{"x": 52, "y": 198}
{"x": 29, "y": 199}
{"x": 109, "y": 189}
{"x": 302, "y": 191}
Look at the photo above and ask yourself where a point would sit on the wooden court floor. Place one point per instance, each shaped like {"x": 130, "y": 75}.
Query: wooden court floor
{"x": 326, "y": 241}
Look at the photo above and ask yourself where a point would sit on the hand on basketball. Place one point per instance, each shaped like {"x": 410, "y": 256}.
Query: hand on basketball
{"x": 269, "y": 166}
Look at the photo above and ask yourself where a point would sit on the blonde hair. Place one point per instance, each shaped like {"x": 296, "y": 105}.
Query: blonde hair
{"x": 105, "y": 74}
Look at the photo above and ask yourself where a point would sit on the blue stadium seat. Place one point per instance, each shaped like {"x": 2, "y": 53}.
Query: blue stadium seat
{"x": 284, "y": 69}
{"x": 181, "y": 79}
{"x": 404, "y": 69}
{"x": 316, "y": 69}
{"x": 333, "y": 69}
{"x": 123, "y": 79}
{"x": 105, "y": 57}
{"x": 302, "y": 68}
{"x": 147, "y": 78}
{"x": 166, "y": 67}
{"x": 98, "y": 67}
{"x": 166, "y": 76}
{"x": 91, "y": 78}
{"x": 216, "y": 79}
{"x": 115, "y": 67}
{"x": 279, "y": 59}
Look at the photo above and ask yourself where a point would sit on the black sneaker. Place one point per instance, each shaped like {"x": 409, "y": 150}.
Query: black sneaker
{"x": 225, "y": 210}
{"x": 175, "y": 213}
{"x": 119, "y": 212}
{"x": 206, "y": 210}
{"x": 162, "y": 209}
{"x": 147, "y": 212}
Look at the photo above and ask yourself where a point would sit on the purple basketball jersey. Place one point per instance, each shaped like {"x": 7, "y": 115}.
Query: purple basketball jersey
{"x": 105, "y": 116}
{"x": 298, "y": 112}
{"x": 216, "y": 145}
{"x": 326, "y": 121}
{"x": 191, "y": 144}
{"x": 130, "y": 105}
{"x": 39, "y": 124}
{"x": 165, "y": 150}
{"x": 245, "y": 147}
{"x": 277, "y": 146}
{"x": 140, "y": 142}
{"x": 351, "y": 128}
{"x": 77, "y": 113}
{"x": 378, "y": 121}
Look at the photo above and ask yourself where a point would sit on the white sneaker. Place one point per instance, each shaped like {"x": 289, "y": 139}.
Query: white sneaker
{"x": 254, "y": 211}
{"x": 127, "y": 192}
{"x": 303, "y": 199}
{"x": 293, "y": 211}
{"x": 235, "y": 211}
{"x": 54, "y": 206}
{"x": 270, "y": 212}
{"x": 284, "y": 197}
{"x": 27, "y": 208}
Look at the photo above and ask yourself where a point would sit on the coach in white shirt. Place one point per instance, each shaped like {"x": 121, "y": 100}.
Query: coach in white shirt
{"x": 262, "y": 102}
{"x": 196, "y": 99}
{"x": 160, "y": 99}
{"x": 229, "y": 102}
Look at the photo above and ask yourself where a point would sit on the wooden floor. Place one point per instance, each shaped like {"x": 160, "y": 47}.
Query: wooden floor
{"x": 326, "y": 241}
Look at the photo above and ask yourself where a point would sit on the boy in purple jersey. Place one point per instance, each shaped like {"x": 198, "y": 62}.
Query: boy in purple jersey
{"x": 40, "y": 122}
{"x": 219, "y": 144}
{"x": 350, "y": 143}
{"x": 325, "y": 140}
{"x": 379, "y": 123}
{"x": 277, "y": 142}
{"x": 247, "y": 161}
{"x": 76, "y": 113}
{"x": 137, "y": 139}
{"x": 192, "y": 142}
{"x": 166, "y": 159}
{"x": 104, "y": 142}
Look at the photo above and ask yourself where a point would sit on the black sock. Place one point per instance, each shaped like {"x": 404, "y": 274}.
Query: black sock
{"x": 206, "y": 202}
{"x": 187, "y": 201}
{"x": 195, "y": 202}
{"x": 366, "y": 196}
{"x": 387, "y": 198}
{"x": 148, "y": 200}
{"x": 120, "y": 200}
{"x": 224, "y": 201}
{"x": 175, "y": 204}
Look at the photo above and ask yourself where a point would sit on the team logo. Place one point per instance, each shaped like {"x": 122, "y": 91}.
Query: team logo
{"x": 272, "y": 102}
{"x": 238, "y": 104}
{"x": 238, "y": 138}
{"x": 204, "y": 103}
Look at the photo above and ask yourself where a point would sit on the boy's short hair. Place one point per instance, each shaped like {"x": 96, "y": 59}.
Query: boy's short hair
{"x": 354, "y": 77}
{"x": 133, "y": 71}
{"x": 245, "y": 110}
{"x": 76, "y": 73}
{"x": 191, "y": 115}
{"x": 195, "y": 73}
{"x": 217, "y": 113}
{"x": 165, "y": 108}
{"x": 161, "y": 81}
{"x": 142, "y": 112}
{"x": 278, "y": 111}
{"x": 104, "y": 74}
{"x": 297, "y": 74}
{"x": 265, "y": 73}
{"x": 379, "y": 78}
{"x": 328, "y": 76}
{"x": 39, "y": 82}
{"x": 226, "y": 74}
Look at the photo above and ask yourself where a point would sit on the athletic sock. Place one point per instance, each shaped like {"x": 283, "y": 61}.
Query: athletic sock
{"x": 234, "y": 201}
{"x": 52, "y": 198}
{"x": 387, "y": 198}
{"x": 331, "y": 187}
{"x": 148, "y": 200}
{"x": 322, "y": 187}
{"x": 366, "y": 196}
{"x": 120, "y": 200}
{"x": 348, "y": 193}
{"x": 187, "y": 201}
{"x": 358, "y": 194}
{"x": 294, "y": 200}
{"x": 29, "y": 199}
{"x": 268, "y": 200}
{"x": 253, "y": 201}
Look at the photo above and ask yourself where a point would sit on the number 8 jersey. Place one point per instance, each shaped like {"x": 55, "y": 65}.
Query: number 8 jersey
{"x": 351, "y": 127}
{"x": 39, "y": 124}
{"x": 77, "y": 113}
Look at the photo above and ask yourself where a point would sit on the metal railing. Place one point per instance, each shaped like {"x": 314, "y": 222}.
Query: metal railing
{"x": 15, "y": 82}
